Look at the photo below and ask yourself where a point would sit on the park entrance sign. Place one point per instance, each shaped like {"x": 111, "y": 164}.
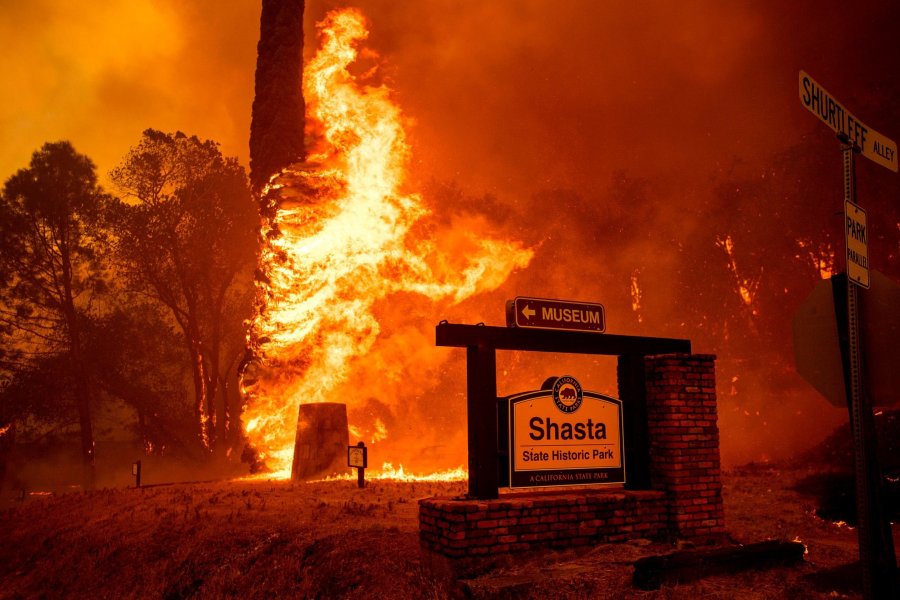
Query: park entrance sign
{"x": 555, "y": 448}
{"x": 626, "y": 427}
{"x": 565, "y": 436}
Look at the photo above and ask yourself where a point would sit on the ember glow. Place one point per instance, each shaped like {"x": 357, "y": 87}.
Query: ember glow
{"x": 340, "y": 236}
{"x": 746, "y": 286}
{"x": 389, "y": 472}
{"x": 820, "y": 255}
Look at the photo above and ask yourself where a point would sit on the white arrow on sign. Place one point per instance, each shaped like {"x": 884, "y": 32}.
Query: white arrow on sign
{"x": 528, "y": 312}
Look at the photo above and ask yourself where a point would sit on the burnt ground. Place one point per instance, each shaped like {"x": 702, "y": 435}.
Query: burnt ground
{"x": 331, "y": 540}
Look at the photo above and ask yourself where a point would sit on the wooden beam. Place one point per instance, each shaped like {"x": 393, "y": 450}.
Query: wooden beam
{"x": 481, "y": 409}
{"x": 548, "y": 340}
{"x": 633, "y": 393}
{"x": 652, "y": 571}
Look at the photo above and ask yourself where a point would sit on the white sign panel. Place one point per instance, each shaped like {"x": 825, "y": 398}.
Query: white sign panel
{"x": 857, "y": 243}
{"x": 565, "y": 436}
{"x": 871, "y": 144}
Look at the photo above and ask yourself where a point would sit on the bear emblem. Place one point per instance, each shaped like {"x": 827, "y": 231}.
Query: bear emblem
{"x": 567, "y": 394}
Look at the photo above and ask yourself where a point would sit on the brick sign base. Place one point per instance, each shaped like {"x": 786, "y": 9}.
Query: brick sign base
{"x": 683, "y": 500}
{"x": 527, "y": 521}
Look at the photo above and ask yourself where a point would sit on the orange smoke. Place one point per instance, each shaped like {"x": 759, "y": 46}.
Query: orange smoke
{"x": 340, "y": 238}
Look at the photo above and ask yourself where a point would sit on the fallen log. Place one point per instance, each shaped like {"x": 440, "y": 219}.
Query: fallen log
{"x": 651, "y": 572}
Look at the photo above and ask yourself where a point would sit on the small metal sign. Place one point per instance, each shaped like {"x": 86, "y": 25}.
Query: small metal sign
{"x": 565, "y": 436}
{"x": 358, "y": 456}
{"x": 541, "y": 313}
{"x": 857, "y": 244}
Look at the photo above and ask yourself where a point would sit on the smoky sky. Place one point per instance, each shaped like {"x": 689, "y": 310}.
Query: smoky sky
{"x": 507, "y": 98}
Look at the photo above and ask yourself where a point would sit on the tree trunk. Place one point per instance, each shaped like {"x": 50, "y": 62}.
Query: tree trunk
{"x": 7, "y": 442}
{"x": 197, "y": 371}
{"x": 222, "y": 443}
{"x": 212, "y": 401}
{"x": 217, "y": 388}
{"x": 83, "y": 390}
{"x": 233, "y": 406}
{"x": 146, "y": 445}
{"x": 83, "y": 400}
{"x": 276, "y": 127}
{"x": 215, "y": 402}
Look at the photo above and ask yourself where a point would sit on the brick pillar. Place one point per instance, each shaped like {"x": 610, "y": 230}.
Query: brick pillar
{"x": 684, "y": 442}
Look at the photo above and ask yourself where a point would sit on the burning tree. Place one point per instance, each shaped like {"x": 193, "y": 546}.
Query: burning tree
{"x": 340, "y": 237}
{"x": 188, "y": 242}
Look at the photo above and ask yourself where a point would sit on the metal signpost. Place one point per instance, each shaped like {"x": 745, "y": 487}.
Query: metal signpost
{"x": 856, "y": 242}
{"x": 358, "y": 457}
{"x": 876, "y": 548}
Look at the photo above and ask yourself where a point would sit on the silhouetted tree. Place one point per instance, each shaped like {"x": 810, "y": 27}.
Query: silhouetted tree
{"x": 139, "y": 360}
{"x": 50, "y": 250}
{"x": 189, "y": 242}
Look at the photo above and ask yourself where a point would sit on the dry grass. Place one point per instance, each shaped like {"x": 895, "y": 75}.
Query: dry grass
{"x": 332, "y": 540}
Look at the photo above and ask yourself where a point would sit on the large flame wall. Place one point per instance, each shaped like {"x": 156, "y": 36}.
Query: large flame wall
{"x": 551, "y": 117}
{"x": 343, "y": 237}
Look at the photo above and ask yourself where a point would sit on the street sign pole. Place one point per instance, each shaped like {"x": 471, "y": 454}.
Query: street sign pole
{"x": 876, "y": 548}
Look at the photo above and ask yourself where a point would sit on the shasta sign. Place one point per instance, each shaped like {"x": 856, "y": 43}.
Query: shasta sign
{"x": 541, "y": 313}
{"x": 565, "y": 436}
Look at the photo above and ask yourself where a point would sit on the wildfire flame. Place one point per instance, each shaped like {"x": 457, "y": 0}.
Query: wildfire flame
{"x": 389, "y": 472}
{"x": 339, "y": 237}
{"x": 747, "y": 286}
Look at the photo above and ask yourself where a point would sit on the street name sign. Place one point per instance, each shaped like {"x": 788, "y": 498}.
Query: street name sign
{"x": 541, "y": 313}
{"x": 565, "y": 436}
{"x": 871, "y": 144}
{"x": 857, "y": 244}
